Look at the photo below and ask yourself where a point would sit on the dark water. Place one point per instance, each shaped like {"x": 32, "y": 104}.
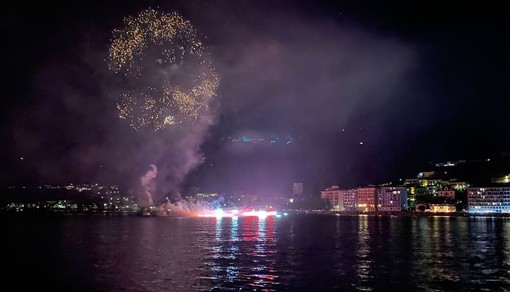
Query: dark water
{"x": 293, "y": 253}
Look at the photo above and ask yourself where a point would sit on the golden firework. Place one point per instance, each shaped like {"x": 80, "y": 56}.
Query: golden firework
{"x": 168, "y": 74}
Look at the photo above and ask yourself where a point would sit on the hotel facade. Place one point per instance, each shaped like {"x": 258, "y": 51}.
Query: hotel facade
{"x": 366, "y": 199}
{"x": 391, "y": 199}
{"x": 493, "y": 199}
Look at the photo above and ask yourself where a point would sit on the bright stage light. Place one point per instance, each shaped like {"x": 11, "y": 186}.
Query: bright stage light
{"x": 236, "y": 213}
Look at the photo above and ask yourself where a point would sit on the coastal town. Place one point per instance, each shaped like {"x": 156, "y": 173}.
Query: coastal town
{"x": 427, "y": 193}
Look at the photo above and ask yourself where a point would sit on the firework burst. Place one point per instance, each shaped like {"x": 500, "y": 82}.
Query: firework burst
{"x": 166, "y": 72}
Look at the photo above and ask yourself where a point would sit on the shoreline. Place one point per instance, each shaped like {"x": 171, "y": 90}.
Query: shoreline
{"x": 293, "y": 212}
{"x": 400, "y": 214}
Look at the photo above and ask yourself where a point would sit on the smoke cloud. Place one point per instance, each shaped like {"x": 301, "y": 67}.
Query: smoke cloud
{"x": 285, "y": 73}
{"x": 149, "y": 186}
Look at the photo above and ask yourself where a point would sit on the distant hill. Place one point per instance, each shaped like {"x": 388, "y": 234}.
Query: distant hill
{"x": 475, "y": 172}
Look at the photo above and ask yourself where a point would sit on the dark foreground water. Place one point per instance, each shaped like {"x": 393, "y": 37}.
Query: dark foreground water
{"x": 292, "y": 253}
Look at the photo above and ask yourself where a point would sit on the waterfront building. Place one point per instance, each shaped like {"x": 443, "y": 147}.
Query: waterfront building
{"x": 391, "y": 199}
{"x": 492, "y": 199}
{"x": 335, "y": 196}
{"x": 442, "y": 208}
{"x": 340, "y": 199}
{"x": 366, "y": 199}
{"x": 350, "y": 198}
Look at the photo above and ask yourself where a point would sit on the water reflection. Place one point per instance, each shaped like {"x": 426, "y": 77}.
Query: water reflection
{"x": 454, "y": 253}
{"x": 298, "y": 253}
{"x": 363, "y": 258}
{"x": 264, "y": 272}
{"x": 234, "y": 230}
{"x": 251, "y": 237}
{"x": 224, "y": 251}
{"x": 506, "y": 251}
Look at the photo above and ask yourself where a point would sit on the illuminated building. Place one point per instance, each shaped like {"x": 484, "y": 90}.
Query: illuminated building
{"x": 335, "y": 196}
{"x": 340, "y": 199}
{"x": 441, "y": 208}
{"x": 446, "y": 164}
{"x": 447, "y": 192}
{"x": 391, "y": 199}
{"x": 350, "y": 197}
{"x": 494, "y": 199}
{"x": 366, "y": 199}
{"x": 426, "y": 174}
{"x": 502, "y": 179}
{"x": 458, "y": 185}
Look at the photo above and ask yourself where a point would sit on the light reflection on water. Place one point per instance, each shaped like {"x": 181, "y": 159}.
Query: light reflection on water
{"x": 242, "y": 258}
{"x": 294, "y": 253}
{"x": 363, "y": 257}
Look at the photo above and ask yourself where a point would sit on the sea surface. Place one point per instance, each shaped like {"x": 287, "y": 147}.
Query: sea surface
{"x": 291, "y": 253}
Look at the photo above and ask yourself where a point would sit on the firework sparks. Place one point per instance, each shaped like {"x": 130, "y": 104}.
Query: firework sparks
{"x": 168, "y": 75}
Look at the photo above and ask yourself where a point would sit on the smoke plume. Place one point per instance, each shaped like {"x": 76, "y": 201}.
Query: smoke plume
{"x": 149, "y": 186}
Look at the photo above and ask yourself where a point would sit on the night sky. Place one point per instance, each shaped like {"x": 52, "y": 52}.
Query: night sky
{"x": 319, "y": 92}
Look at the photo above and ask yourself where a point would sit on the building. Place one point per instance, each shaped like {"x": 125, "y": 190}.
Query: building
{"x": 335, "y": 196}
{"x": 297, "y": 190}
{"x": 446, "y": 192}
{"x": 366, "y": 199}
{"x": 391, "y": 199}
{"x": 501, "y": 180}
{"x": 350, "y": 198}
{"x": 442, "y": 208}
{"x": 426, "y": 174}
{"x": 458, "y": 185}
{"x": 493, "y": 199}
{"x": 340, "y": 199}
